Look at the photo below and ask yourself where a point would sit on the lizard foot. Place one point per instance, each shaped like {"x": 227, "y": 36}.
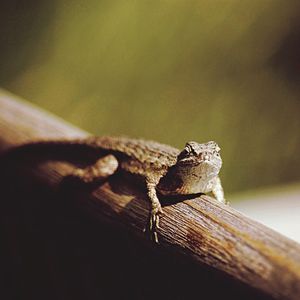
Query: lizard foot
{"x": 153, "y": 223}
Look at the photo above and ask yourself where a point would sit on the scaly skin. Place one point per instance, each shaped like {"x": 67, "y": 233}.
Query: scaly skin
{"x": 163, "y": 169}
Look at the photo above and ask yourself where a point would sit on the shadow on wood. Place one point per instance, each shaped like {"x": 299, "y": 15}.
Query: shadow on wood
{"x": 71, "y": 243}
{"x": 54, "y": 249}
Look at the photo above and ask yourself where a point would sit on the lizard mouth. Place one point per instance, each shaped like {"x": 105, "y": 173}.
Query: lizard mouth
{"x": 208, "y": 168}
{"x": 205, "y": 160}
{"x": 193, "y": 162}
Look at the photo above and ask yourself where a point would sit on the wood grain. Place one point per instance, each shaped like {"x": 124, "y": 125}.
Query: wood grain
{"x": 213, "y": 236}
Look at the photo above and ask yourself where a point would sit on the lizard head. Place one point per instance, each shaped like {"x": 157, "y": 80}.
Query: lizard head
{"x": 201, "y": 159}
{"x": 196, "y": 166}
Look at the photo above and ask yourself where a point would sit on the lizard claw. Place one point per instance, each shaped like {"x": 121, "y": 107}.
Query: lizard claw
{"x": 153, "y": 224}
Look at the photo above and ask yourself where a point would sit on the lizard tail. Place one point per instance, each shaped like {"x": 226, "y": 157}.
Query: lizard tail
{"x": 64, "y": 149}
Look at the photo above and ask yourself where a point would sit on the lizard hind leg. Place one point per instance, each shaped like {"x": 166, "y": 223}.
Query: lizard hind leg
{"x": 154, "y": 213}
{"x": 100, "y": 170}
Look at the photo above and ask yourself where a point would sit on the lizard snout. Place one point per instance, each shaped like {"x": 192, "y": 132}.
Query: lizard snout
{"x": 205, "y": 156}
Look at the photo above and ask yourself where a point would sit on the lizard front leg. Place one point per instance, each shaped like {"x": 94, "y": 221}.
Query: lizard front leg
{"x": 217, "y": 190}
{"x": 155, "y": 210}
{"x": 100, "y": 170}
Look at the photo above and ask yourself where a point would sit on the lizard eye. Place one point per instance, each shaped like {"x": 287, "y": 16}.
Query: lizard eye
{"x": 216, "y": 153}
{"x": 187, "y": 150}
{"x": 184, "y": 153}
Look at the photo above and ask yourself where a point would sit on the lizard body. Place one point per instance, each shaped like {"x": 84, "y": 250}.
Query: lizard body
{"x": 164, "y": 169}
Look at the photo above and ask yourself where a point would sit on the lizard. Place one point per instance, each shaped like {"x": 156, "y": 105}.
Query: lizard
{"x": 163, "y": 169}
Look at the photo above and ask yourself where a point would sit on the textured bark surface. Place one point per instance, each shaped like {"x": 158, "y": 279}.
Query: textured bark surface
{"x": 78, "y": 243}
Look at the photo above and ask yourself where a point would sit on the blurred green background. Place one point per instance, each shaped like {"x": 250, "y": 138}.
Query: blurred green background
{"x": 171, "y": 71}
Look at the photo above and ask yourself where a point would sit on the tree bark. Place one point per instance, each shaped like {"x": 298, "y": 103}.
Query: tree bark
{"x": 231, "y": 254}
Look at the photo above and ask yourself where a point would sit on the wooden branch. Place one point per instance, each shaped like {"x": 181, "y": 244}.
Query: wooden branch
{"x": 202, "y": 230}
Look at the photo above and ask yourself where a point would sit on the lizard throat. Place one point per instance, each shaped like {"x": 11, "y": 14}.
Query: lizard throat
{"x": 184, "y": 181}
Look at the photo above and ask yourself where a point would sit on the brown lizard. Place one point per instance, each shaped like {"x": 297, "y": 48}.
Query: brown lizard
{"x": 165, "y": 170}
